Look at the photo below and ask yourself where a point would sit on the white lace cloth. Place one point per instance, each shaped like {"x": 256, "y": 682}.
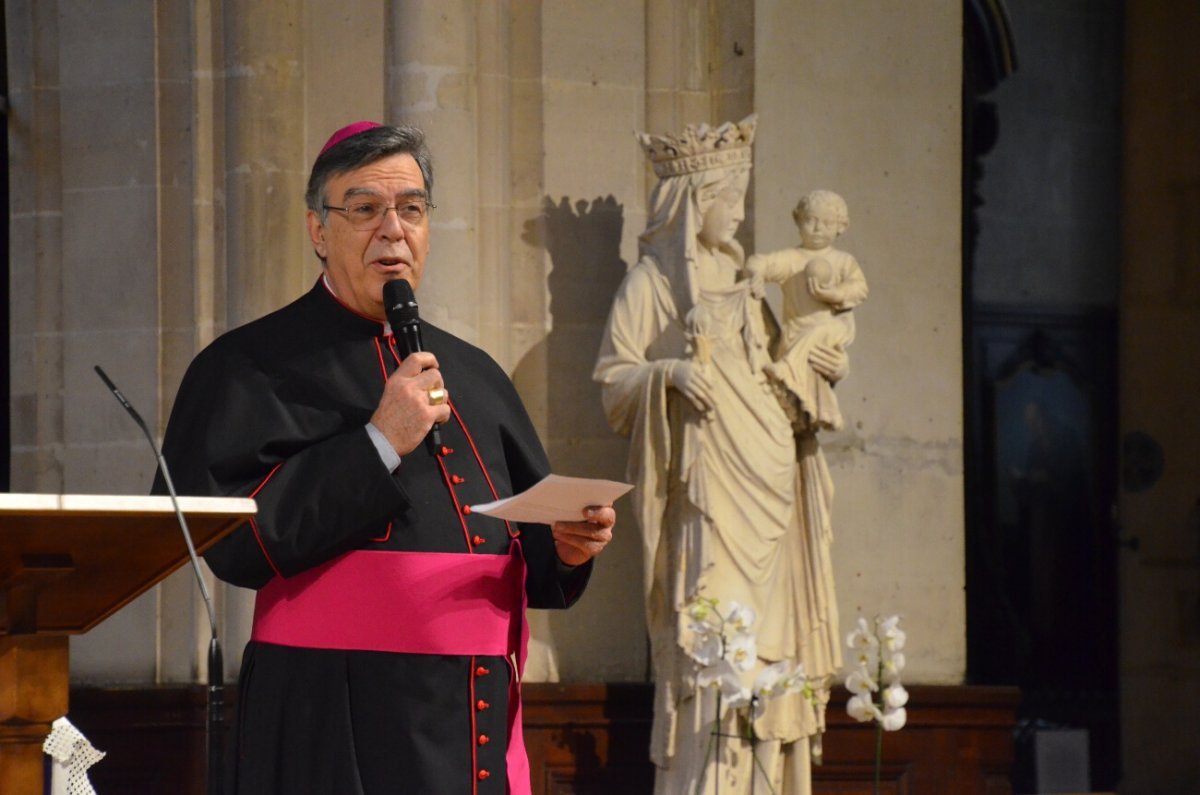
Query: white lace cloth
{"x": 73, "y": 754}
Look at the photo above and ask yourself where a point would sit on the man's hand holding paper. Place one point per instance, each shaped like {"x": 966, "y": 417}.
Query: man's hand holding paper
{"x": 555, "y": 500}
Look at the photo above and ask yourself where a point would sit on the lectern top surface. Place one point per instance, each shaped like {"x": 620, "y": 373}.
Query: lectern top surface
{"x": 68, "y": 561}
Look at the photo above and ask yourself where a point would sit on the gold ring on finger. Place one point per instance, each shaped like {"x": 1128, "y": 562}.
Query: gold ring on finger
{"x": 437, "y": 396}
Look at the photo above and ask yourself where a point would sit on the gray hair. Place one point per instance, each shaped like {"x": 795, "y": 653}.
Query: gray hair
{"x": 363, "y": 149}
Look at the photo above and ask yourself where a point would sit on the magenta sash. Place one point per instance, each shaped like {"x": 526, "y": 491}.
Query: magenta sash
{"x": 409, "y": 603}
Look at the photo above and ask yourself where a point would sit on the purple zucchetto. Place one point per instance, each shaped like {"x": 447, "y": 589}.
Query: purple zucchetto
{"x": 346, "y": 132}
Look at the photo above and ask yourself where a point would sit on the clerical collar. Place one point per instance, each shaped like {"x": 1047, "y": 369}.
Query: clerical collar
{"x": 387, "y": 327}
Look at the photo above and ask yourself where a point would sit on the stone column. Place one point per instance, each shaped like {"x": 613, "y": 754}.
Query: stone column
{"x": 1159, "y": 325}
{"x": 35, "y": 247}
{"x": 191, "y": 272}
{"x": 432, "y": 55}
{"x": 269, "y": 261}
{"x": 677, "y": 61}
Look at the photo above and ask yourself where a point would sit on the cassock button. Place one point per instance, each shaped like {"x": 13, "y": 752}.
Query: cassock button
{"x": 457, "y": 480}
{"x": 447, "y": 450}
{"x": 477, "y": 540}
{"x": 466, "y": 509}
{"x": 481, "y": 705}
{"x": 484, "y": 739}
{"x": 483, "y": 774}
{"x": 481, "y": 671}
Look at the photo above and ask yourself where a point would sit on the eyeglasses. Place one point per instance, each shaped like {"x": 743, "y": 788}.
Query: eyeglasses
{"x": 368, "y": 214}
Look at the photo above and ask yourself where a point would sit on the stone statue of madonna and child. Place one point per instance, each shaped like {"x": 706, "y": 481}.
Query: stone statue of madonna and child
{"x": 732, "y": 494}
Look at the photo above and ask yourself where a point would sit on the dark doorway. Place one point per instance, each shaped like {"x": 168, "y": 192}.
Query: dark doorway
{"x": 5, "y": 386}
{"x": 1041, "y": 165}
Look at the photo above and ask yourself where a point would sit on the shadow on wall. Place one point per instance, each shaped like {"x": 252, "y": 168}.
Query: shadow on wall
{"x": 583, "y": 240}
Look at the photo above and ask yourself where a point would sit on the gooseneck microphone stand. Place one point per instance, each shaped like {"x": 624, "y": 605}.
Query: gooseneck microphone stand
{"x": 214, "y": 723}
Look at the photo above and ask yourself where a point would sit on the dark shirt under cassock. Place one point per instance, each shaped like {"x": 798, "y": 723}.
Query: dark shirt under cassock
{"x": 277, "y": 409}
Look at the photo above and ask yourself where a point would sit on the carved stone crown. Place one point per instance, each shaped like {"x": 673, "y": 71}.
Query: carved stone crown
{"x": 700, "y": 147}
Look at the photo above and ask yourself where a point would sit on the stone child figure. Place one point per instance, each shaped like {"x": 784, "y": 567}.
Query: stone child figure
{"x": 820, "y": 285}
{"x": 732, "y": 506}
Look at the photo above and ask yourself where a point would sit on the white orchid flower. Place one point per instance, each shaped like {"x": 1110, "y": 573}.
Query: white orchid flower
{"x": 893, "y": 719}
{"x": 895, "y": 696}
{"x": 772, "y": 680}
{"x": 743, "y": 697}
{"x": 725, "y": 677}
{"x": 740, "y": 617}
{"x": 796, "y": 681}
{"x": 892, "y": 666}
{"x": 742, "y": 651}
{"x": 862, "y": 637}
{"x": 861, "y": 683}
{"x": 890, "y": 635}
{"x": 707, "y": 648}
{"x": 862, "y": 709}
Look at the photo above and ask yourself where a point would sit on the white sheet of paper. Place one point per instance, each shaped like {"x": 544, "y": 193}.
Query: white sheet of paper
{"x": 554, "y": 498}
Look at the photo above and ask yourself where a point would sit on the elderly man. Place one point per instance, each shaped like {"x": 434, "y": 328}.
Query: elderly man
{"x": 388, "y": 631}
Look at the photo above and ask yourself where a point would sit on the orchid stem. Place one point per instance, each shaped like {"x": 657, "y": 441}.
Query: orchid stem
{"x": 878, "y": 723}
{"x": 717, "y": 781}
{"x": 878, "y": 753}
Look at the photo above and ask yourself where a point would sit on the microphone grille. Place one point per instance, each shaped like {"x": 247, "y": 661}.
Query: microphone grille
{"x": 399, "y": 301}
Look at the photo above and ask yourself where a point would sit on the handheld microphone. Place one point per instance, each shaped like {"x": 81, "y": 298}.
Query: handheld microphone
{"x": 216, "y": 667}
{"x": 401, "y": 307}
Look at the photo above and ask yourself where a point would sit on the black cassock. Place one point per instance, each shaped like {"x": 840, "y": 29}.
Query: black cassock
{"x": 277, "y": 409}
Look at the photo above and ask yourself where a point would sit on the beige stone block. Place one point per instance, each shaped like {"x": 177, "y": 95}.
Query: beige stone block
{"x": 270, "y": 259}
{"x": 525, "y": 42}
{"x": 495, "y": 175}
{"x": 529, "y": 373}
{"x": 922, "y": 409}
{"x": 678, "y": 56}
{"x": 23, "y": 273}
{"x": 20, "y": 46}
{"x": 109, "y": 262}
{"x": 109, "y": 45}
{"x": 433, "y": 32}
{"x": 898, "y": 545}
{"x": 455, "y": 91}
{"x": 732, "y": 30}
{"x": 449, "y": 291}
{"x": 493, "y": 28}
{"x": 22, "y": 417}
{"x": 526, "y": 145}
{"x": 108, "y": 136}
{"x": 584, "y": 241}
{"x": 24, "y": 470}
{"x": 451, "y": 136}
{"x": 612, "y": 608}
{"x": 121, "y": 650}
{"x": 343, "y": 58}
{"x": 177, "y": 346}
{"x": 590, "y": 145}
{"x": 528, "y": 267}
{"x": 44, "y": 160}
{"x": 594, "y": 43}
{"x": 493, "y": 281}
{"x": 130, "y": 357}
{"x": 575, "y": 408}
{"x": 119, "y": 467}
{"x": 178, "y": 627}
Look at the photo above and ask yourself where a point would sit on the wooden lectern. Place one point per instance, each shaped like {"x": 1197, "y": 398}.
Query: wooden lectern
{"x": 67, "y": 562}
